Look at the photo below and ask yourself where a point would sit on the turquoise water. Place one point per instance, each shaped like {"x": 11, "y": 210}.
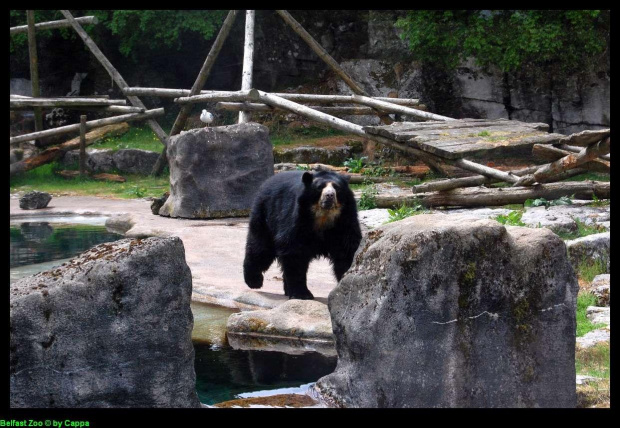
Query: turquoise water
{"x": 222, "y": 373}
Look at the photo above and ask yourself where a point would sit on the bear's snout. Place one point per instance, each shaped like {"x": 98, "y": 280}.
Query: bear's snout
{"x": 328, "y": 197}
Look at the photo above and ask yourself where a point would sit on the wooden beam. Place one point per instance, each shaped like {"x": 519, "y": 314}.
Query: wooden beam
{"x": 34, "y": 71}
{"x": 214, "y": 97}
{"x": 476, "y": 180}
{"x": 149, "y": 114}
{"x": 62, "y": 102}
{"x": 550, "y": 153}
{"x": 248, "y": 59}
{"x": 51, "y": 25}
{"x": 483, "y": 196}
{"x": 383, "y": 105}
{"x": 199, "y": 83}
{"x": 83, "y": 145}
{"x": 571, "y": 161}
{"x": 576, "y": 149}
{"x": 264, "y": 108}
{"x": 135, "y": 101}
{"x": 302, "y": 98}
{"x": 53, "y": 153}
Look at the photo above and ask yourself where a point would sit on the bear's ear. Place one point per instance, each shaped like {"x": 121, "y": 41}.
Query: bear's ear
{"x": 307, "y": 178}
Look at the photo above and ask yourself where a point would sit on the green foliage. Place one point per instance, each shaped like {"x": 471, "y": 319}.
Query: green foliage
{"x": 509, "y": 39}
{"x": 582, "y": 230}
{"x": 484, "y": 134}
{"x": 378, "y": 171}
{"x": 564, "y": 200}
{"x": 368, "y": 199}
{"x": 138, "y": 137}
{"x": 513, "y": 218}
{"x": 596, "y": 202}
{"x": 301, "y": 167}
{"x": 588, "y": 269}
{"x": 139, "y": 31}
{"x": 404, "y": 211}
{"x": 584, "y": 325}
{"x": 355, "y": 165}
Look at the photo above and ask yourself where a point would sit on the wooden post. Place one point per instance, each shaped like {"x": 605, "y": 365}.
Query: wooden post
{"x": 331, "y": 62}
{"x": 571, "y": 161}
{"x": 248, "y": 59}
{"x": 50, "y": 25}
{"x": 135, "y": 101}
{"x": 82, "y": 146}
{"x": 34, "y": 71}
{"x": 185, "y": 110}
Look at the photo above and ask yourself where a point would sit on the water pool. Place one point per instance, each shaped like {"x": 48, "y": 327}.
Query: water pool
{"x": 222, "y": 373}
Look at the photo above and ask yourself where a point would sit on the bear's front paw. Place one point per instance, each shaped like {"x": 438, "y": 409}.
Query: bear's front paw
{"x": 303, "y": 295}
{"x": 254, "y": 281}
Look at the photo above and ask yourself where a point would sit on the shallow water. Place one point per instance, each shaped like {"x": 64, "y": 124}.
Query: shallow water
{"x": 222, "y": 373}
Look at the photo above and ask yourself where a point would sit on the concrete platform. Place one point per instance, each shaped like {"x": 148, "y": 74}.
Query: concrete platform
{"x": 214, "y": 249}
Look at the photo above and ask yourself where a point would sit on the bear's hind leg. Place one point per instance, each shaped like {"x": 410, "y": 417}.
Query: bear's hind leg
{"x": 294, "y": 270}
{"x": 258, "y": 257}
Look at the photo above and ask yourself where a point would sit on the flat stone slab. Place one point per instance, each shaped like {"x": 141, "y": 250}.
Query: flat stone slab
{"x": 593, "y": 337}
{"x": 562, "y": 217}
{"x": 591, "y": 248}
{"x": 306, "y": 321}
{"x": 599, "y": 315}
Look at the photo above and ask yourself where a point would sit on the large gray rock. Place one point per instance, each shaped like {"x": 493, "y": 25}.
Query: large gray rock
{"x": 590, "y": 249}
{"x": 34, "y": 200}
{"x": 440, "y": 311}
{"x": 215, "y": 172}
{"x": 111, "y": 328}
{"x": 127, "y": 161}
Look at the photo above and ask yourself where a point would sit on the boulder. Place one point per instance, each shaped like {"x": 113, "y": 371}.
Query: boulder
{"x": 34, "y": 200}
{"x": 600, "y": 287}
{"x": 449, "y": 311}
{"x": 110, "y": 328}
{"x": 295, "y": 326}
{"x": 309, "y": 154}
{"x": 215, "y": 172}
{"x": 594, "y": 337}
{"x": 135, "y": 161}
{"x": 590, "y": 249}
{"x": 599, "y": 315}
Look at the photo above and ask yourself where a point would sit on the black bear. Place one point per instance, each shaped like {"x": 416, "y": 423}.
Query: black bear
{"x": 298, "y": 216}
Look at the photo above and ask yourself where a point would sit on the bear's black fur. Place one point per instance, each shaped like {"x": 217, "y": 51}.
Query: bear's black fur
{"x": 298, "y": 216}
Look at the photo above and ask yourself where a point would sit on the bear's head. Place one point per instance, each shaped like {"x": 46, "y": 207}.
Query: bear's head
{"x": 325, "y": 193}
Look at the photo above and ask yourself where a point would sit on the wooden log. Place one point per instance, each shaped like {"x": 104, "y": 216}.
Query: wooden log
{"x": 199, "y": 83}
{"x": 571, "y": 161}
{"x": 248, "y": 60}
{"x": 51, "y": 25}
{"x": 64, "y": 102}
{"x": 551, "y": 153}
{"x": 34, "y": 70}
{"x": 82, "y": 145}
{"x": 585, "y": 138}
{"x": 264, "y": 108}
{"x": 302, "y": 98}
{"x": 433, "y": 161}
{"x": 398, "y": 109}
{"x": 576, "y": 149}
{"x": 483, "y": 196}
{"x": 135, "y": 101}
{"x": 485, "y": 170}
{"x": 214, "y": 97}
{"x": 54, "y": 153}
{"x": 476, "y": 180}
{"x": 89, "y": 125}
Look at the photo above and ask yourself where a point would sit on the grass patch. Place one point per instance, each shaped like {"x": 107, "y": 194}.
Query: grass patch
{"x": 594, "y": 394}
{"x": 584, "y": 325}
{"x": 596, "y": 202}
{"x": 44, "y": 179}
{"x": 588, "y": 269}
{"x": 593, "y": 361}
{"x": 368, "y": 199}
{"x": 136, "y": 138}
{"x": 403, "y": 212}
{"x": 582, "y": 230}
{"x": 513, "y": 218}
